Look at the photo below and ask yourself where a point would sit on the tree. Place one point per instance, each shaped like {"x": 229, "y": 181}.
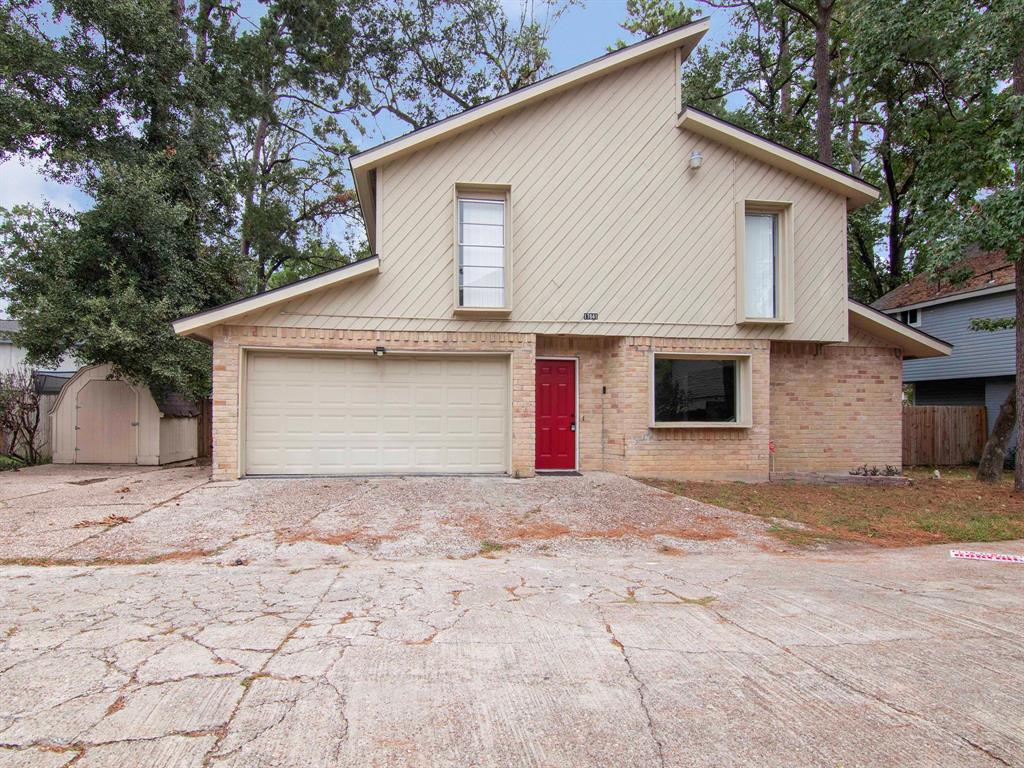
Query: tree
{"x": 425, "y": 59}
{"x": 19, "y": 416}
{"x": 288, "y": 83}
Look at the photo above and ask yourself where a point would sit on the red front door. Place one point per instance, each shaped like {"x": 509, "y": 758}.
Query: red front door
{"x": 556, "y": 414}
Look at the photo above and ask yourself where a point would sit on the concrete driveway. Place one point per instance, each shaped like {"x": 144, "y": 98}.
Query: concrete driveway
{"x": 485, "y": 622}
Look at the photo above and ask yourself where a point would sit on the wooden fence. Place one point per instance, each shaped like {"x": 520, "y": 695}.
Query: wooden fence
{"x": 205, "y": 427}
{"x": 943, "y": 435}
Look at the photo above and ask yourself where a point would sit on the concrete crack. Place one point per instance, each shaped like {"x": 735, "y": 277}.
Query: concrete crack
{"x": 641, "y": 690}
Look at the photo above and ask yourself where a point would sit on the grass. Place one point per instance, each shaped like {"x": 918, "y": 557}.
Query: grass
{"x": 953, "y": 508}
{"x": 9, "y": 462}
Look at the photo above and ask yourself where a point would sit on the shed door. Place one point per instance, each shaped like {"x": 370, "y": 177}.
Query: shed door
{"x": 106, "y": 414}
{"x": 360, "y": 414}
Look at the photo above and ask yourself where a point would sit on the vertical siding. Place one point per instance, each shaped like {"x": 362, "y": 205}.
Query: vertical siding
{"x": 975, "y": 353}
{"x": 996, "y": 392}
{"x": 178, "y": 439}
{"x": 607, "y": 218}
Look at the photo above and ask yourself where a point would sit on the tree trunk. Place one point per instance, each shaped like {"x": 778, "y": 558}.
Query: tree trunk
{"x": 990, "y": 469}
{"x": 1018, "y": 273}
{"x": 822, "y": 86}
{"x": 1018, "y": 270}
{"x": 785, "y": 65}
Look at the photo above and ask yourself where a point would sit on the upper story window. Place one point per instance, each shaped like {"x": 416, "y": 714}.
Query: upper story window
{"x": 911, "y": 317}
{"x": 760, "y": 265}
{"x": 483, "y": 245}
{"x": 764, "y": 266}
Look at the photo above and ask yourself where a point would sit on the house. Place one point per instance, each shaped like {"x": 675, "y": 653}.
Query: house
{"x": 982, "y": 367}
{"x": 11, "y": 355}
{"x": 48, "y": 383}
{"x": 579, "y": 275}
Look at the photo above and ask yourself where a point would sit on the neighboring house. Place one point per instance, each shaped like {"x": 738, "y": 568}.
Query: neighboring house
{"x": 581, "y": 274}
{"x": 11, "y": 355}
{"x": 981, "y": 369}
{"x": 49, "y": 383}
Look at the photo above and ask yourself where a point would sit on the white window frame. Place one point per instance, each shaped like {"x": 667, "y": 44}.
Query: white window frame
{"x": 784, "y": 287}
{"x": 744, "y": 392}
{"x": 906, "y": 312}
{"x": 488, "y": 193}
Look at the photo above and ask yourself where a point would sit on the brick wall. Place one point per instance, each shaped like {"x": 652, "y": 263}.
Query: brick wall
{"x": 834, "y": 407}
{"x": 228, "y": 341}
{"x": 723, "y": 453}
{"x": 825, "y": 407}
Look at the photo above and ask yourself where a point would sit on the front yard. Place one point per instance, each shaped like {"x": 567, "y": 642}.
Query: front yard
{"x": 953, "y": 508}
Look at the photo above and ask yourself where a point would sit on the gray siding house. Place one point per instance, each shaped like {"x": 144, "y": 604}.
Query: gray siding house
{"x": 980, "y": 371}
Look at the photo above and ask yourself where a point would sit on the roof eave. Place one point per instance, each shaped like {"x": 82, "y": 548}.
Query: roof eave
{"x": 950, "y": 297}
{"x": 200, "y": 325}
{"x": 914, "y": 343}
{"x": 857, "y": 192}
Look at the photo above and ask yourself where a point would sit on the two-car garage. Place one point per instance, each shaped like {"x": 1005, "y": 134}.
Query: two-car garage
{"x": 353, "y": 414}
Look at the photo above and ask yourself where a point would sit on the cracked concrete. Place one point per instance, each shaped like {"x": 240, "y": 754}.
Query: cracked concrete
{"x": 591, "y": 651}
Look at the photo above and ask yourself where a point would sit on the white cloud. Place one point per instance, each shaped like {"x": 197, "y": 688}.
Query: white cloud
{"x": 22, "y": 182}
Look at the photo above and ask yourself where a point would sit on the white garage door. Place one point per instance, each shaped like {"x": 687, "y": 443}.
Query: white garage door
{"x": 360, "y": 414}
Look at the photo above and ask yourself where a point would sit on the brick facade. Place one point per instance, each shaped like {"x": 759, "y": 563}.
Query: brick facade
{"x": 825, "y": 407}
{"x": 835, "y": 407}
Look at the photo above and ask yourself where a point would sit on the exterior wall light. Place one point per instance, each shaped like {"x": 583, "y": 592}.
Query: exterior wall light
{"x": 696, "y": 159}
{"x": 379, "y": 351}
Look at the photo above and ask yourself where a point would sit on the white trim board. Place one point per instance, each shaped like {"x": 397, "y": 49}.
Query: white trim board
{"x": 198, "y": 325}
{"x": 914, "y": 343}
{"x": 856, "y": 192}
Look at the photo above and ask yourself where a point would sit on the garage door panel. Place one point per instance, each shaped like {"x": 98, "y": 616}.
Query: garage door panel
{"x": 337, "y": 414}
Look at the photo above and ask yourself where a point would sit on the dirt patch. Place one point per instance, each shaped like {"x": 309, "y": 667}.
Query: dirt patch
{"x": 107, "y": 522}
{"x": 931, "y": 511}
{"x": 335, "y": 538}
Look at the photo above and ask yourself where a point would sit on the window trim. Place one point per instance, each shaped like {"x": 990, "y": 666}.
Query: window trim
{"x": 784, "y": 280}
{"x": 744, "y": 391}
{"x": 482, "y": 191}
{"x": 916, "y": 311}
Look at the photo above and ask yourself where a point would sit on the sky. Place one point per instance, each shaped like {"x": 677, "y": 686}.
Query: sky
{"x": 583, "y": 33}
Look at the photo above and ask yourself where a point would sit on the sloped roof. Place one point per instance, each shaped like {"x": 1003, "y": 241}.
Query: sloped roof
{"x": 176, "y": 406}
{"x": 914, "y": 342}
{"x": 684, "y": 39}
{"x": 988, "y": 269}
{"x": 857, "y": 191}
{"x": 198, "y": 325}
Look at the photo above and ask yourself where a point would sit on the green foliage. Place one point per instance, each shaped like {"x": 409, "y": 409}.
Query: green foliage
{"x": 647, "y": 18}
{"x": 422, "y": 61}
{"x": 918, "y": 108}
{"x": 993, "y": 323}
{"x": 214, "y": 150}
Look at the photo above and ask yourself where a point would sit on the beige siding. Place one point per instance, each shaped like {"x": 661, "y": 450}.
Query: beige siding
{"x": 179, "y": 439}
{"x": 608, "y": 218}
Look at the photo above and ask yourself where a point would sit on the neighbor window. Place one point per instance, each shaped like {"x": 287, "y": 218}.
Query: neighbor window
{"x": 765, "y": 262}
{"x": 911, "y": 317}
{"x": 482, "y": 245}
{"x": 699, "y": 390}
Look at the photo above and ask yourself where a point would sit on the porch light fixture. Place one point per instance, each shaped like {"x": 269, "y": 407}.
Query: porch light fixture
{"x": 696, "y": 159}
{"x": 379, "y": 351}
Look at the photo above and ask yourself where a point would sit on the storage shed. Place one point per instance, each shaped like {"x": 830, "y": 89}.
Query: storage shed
{"x": 102, "y": 419}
